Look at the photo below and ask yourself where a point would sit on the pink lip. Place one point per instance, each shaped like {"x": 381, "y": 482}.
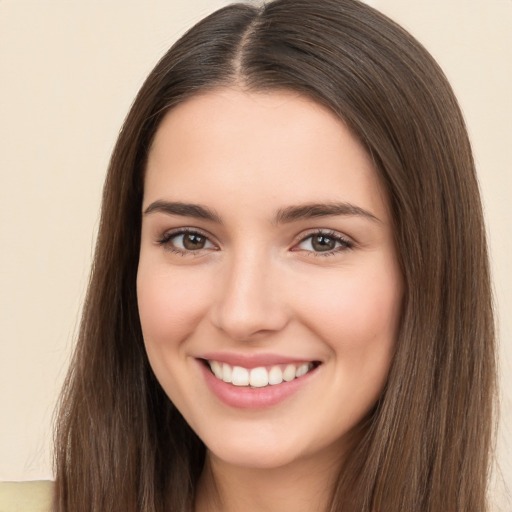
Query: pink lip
{"x": 252, "y": 398}
{"x": 252, "y": 360}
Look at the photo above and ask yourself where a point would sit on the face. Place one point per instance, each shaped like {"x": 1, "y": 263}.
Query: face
{"x": 268, "y": 286}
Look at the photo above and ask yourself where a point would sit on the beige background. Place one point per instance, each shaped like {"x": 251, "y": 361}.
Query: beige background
{"x": 69, "y": 70}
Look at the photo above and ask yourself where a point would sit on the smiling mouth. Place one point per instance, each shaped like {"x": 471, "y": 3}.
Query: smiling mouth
{"x": 260, "y": 376}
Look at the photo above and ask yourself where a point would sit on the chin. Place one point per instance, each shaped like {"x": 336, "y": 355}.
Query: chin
{"x": 265, "y": 452}
{"x": 256, "y": 459}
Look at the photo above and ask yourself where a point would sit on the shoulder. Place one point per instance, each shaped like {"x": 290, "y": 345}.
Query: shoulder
{"x": 26, "y": 496}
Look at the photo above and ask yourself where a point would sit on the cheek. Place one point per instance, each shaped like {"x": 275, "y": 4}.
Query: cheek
{"x": 367, "y": 303}
{"x": 372, "y": 310}
{"x": 357, "y": 313}
{"x": 170, "y": 304}
{"x": 361, "y": 328}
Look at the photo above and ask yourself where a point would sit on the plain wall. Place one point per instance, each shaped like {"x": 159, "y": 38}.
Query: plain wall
{"x": 68, "y": 73}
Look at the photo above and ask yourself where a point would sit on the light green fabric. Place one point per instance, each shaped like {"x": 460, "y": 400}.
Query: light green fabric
{"x": 26, "y": 496}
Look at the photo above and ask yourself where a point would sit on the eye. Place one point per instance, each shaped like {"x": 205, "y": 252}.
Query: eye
{"x": 186, "y": 241}
{"x": 324, "y": 243}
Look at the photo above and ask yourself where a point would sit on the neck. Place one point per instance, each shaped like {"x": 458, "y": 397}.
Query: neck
{"x": 299, "y": 487}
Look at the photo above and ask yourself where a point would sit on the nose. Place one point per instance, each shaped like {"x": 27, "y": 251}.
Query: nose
{"x": 250, "y": 299}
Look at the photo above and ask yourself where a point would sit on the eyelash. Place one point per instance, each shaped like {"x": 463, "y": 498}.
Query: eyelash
{"x": 345, "y": 244}
{"x": 166, "y": 240}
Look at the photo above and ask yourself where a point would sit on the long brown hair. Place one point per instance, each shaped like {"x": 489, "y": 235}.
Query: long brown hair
{"x": 120, "y": 443}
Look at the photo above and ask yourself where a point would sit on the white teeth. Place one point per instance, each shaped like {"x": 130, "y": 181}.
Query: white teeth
{"x": 302, "y": 370}
{"x": 226, "y": 372}
{"x": 216, "y": 369}
{"x": 240, "y": 376}
{"x": 289, "y": 373}
{"x": 258, "y": 377}
{"x": 275, "y": 376}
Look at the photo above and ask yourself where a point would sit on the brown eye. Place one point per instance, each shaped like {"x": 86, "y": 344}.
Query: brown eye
{"x": 193, "y": 241}
{"x": 322, "y": 243}
{"x": 327, "y": 243}
{"x": 186, "y": 242}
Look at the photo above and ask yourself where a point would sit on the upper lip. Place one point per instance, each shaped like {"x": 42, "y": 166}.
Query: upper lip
{"x": 253, "y": 360}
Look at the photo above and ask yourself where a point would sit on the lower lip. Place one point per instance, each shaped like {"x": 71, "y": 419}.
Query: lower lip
{"x": 253, "y": 398}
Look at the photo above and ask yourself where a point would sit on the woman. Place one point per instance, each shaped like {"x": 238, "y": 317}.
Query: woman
{"x": 290, "y": 299}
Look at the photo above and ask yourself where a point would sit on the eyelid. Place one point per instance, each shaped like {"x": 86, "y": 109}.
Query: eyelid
{"x": 345, "y": 241}
{"x": 165, "y": 239}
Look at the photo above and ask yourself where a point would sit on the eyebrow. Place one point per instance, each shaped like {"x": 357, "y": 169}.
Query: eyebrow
{"x": 312, "y": 210}
{"x": 183, "y": 209}
{"x": 283, "y": 215}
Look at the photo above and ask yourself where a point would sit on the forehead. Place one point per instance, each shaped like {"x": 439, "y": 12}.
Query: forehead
{"x": 259, "y": 148}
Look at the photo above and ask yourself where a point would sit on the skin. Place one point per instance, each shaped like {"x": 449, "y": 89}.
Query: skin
{"x": 260, "y": 286}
